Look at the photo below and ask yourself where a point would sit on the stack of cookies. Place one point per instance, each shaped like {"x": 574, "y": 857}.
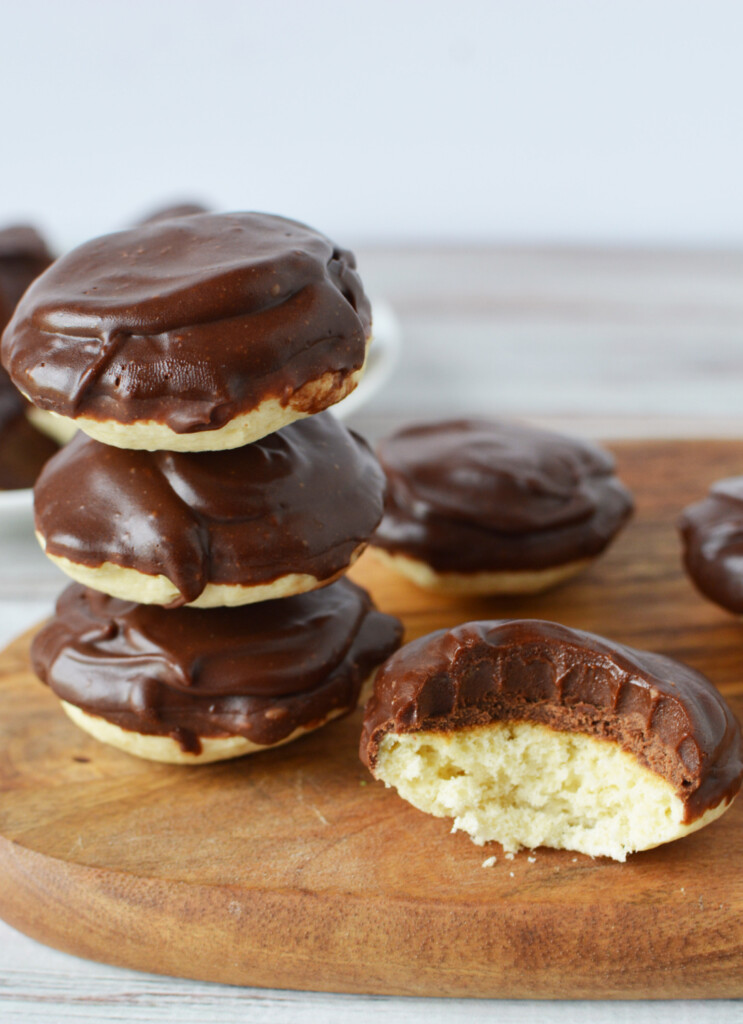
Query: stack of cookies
{"x": 209, "y": 507}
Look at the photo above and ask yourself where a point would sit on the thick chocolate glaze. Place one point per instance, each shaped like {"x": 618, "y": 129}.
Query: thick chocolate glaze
{"x": 189, "y": 322}
{"x": 259, "y": 671}
{"x": 23, "y": 256}
{"x": 712, "y": 535}
{"x": 489, "y": 495}
{"x": 23, "y": 448}
{"x": 301, "y": 500}
{"x": 175, "y": 210}
{"x": 11, "y": 400}
{"x": 665, "y": 713}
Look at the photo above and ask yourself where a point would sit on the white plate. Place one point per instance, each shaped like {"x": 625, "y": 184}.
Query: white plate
{"x": 383, "y": 354}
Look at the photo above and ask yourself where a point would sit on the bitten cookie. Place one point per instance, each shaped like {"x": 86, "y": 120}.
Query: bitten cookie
{"x": 481, "y": 506}
{"x": 532, "y": 734}
{"x": 280, "y": 516}
{"x": 190, "y": 686}
{"x": 196, "y": 333}
{"x": 712, "y": 536}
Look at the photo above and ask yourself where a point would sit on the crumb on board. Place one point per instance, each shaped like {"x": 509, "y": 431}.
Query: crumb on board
{"x": 510, "y": 856}
{"x": 511, "y": 874}
{"x": 532, "y": 860}
{"x": 489, "y": 862}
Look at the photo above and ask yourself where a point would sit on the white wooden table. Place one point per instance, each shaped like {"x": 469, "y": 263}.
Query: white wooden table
{"x": 606, "y": 343}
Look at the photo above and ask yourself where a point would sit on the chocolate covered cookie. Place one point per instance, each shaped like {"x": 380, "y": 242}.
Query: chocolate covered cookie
{"x": 23, "y": 448}
{"x": 23, "y": 256}
{"x": 173, "y": 210}
{"x": 532, "y": 734}
{"x": 280, "y": 516}
{"x": 712, "y": 536}
{"x": 190, "y": 686}
{"x": 193, "y": 333}
{"x": 488, "y": 506}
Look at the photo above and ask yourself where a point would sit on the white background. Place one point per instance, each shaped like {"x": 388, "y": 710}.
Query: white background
{"x": 380, "y": 120}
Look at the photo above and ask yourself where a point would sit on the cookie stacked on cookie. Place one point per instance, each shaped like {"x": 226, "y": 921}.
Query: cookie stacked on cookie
{"x": 210, "y": 506}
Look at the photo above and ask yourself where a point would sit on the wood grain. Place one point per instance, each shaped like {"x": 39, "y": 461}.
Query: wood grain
{"x": 591, "y": 336}
{"x": 293, "y": 869}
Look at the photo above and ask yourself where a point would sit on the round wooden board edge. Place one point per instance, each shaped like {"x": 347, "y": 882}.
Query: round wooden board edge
{"x": 326, "y": 941}
{"x": 329, "y": 942}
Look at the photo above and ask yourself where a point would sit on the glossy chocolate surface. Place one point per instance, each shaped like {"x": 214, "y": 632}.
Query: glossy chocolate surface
{"x": 665, "y": 713}
{"x": 11, "y": 401}
{"x": 259, "y": 671}
{"x": 712, "y": 535}
{"x": 174, "y": 210}
{"x": 190, "y": 322}
{"x": 489, "y": 495}
{"x": 301, "y": 500}
{"x": 23, "y": 448}
{"x": 23, "y": 256}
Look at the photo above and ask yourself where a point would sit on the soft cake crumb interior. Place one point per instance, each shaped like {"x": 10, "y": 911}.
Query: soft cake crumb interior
{"x": 525, "y": 785}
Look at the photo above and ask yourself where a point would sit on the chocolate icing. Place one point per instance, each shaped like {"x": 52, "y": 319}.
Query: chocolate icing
{"x": 11, "y": 400}
{"x": 258, "y": 671}
{"x": 190, "y": 322}
{"x": 665, "y": 713}
{"x": 23, "y": 448}
{"x": 175, "y": 210}
{"x": 488, "y": 495}
{"x": 300, "y": 500}
{"x": 23, "y": 256}
{"x": 712, "y": 535}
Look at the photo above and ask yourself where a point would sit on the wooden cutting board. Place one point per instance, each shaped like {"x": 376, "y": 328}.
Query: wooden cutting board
{"x": 293, "y": 869}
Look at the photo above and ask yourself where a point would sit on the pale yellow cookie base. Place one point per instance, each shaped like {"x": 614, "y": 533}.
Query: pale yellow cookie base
{"x": 59, "y": 428}
{"x": 167, "y": 750}
{"x": 507, "y": 583}
{"x": 525, "y": 785}
{"x": 267, "y": 418}
{"x": 132, "y": 585}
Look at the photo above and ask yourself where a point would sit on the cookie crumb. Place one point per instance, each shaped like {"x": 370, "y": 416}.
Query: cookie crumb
{"x": 489, "y": 862}
{"x": 532, "y": 860}
{"x": 509, "y": 856}
{"x": 511, "y": 873}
